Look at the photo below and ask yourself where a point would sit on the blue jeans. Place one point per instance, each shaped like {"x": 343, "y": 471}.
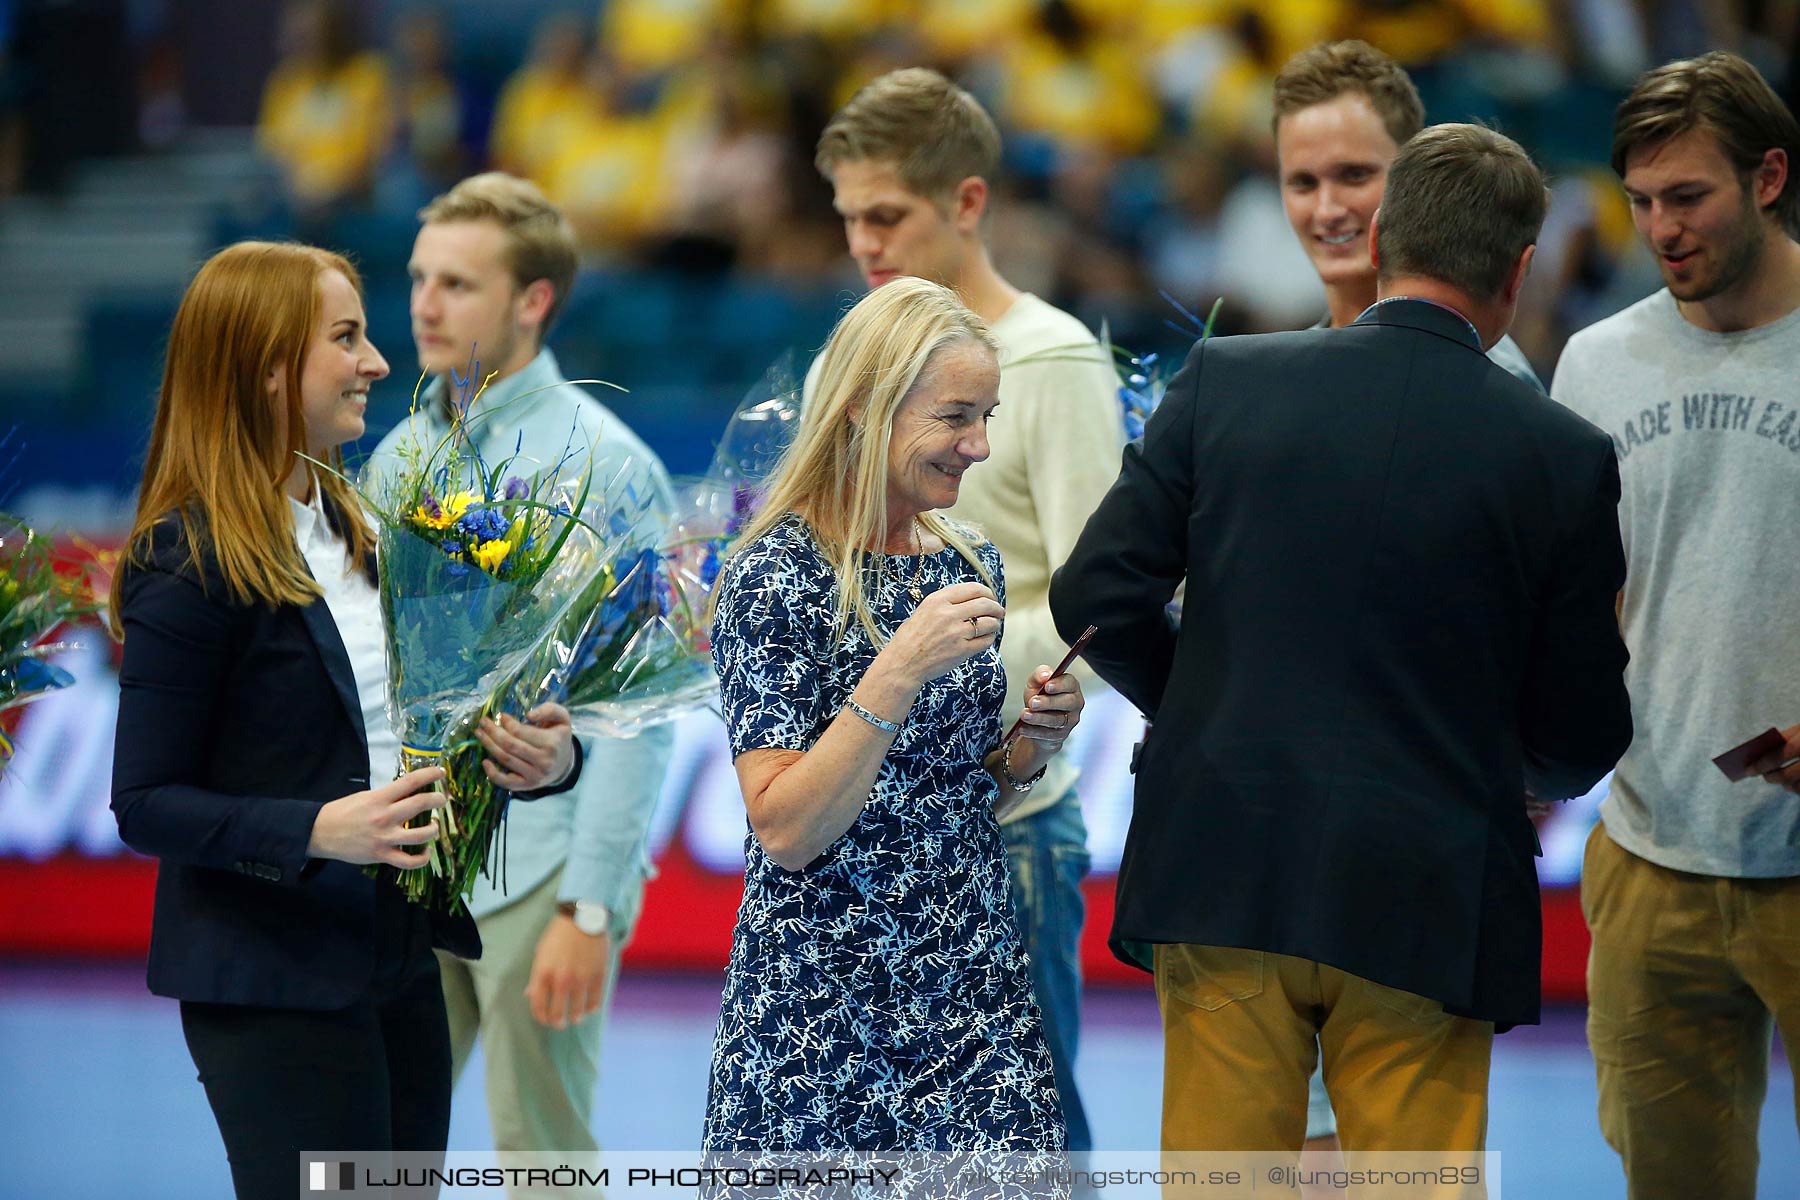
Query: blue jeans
{"x": 1047, "y": 857}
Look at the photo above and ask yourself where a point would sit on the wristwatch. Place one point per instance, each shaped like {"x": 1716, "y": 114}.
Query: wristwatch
{"x": 590, "y": 916}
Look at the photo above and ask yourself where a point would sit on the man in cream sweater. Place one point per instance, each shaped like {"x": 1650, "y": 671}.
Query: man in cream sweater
{"x": 909, "y": 159}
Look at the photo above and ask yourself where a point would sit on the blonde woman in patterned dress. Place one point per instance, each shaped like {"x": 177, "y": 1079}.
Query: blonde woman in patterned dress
{"x": 878, "y": 996}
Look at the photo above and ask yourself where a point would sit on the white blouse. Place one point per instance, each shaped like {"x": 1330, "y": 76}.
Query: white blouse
{"x": 355, "y": 608}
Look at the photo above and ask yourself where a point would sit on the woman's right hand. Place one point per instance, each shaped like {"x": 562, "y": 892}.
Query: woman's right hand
{"x": 370, "y": 827}
{"x": 950, "y": 626}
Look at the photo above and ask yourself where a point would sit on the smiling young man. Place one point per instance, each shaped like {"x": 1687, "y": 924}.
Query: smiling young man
{"x": 909, "y": 159}
{"x": 1342, "y": 112}
{"x": 1691, "y": 883}
{"x": 491, "y": 266}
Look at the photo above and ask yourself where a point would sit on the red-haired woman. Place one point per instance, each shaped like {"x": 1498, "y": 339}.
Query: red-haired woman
{"x": 252, "y": 730}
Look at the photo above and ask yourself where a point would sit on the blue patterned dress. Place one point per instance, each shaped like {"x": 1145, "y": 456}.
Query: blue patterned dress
{"x": 879, "y": 998}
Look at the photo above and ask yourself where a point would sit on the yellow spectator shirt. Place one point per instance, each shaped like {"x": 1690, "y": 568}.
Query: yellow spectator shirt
{"x": 608, "y": 178}
{"x": 654, "y": 35}
{"x": 538, "y": 111}
{"x": 1100, "y": 97}
{"x": 328, "y": 128}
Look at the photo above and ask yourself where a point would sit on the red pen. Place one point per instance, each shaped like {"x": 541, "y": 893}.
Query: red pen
{"x": 1061, "y": 667}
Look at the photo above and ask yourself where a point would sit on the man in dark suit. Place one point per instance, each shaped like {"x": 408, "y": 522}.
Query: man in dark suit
{"x": 1400, "y": 567}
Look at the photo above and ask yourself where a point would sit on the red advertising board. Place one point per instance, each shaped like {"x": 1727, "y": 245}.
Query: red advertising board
{"x": 67, "y": 886}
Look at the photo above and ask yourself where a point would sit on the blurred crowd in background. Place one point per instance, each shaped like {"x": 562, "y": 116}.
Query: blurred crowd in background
{"x": 678, "y": 136}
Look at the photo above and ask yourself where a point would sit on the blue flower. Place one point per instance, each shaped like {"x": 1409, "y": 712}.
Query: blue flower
{"x": 515, "y": 489}
{"x": 635, "y": 590}
{"x": 484, "y": 524}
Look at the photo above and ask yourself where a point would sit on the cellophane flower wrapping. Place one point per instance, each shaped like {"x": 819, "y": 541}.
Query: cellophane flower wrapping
{"x": 1144, "y": 378}
{"x": 635, "y": 648}
{"x": 632, "y": 651}
{"x": 36, "y": 599}
{"x": 757, "y": 435}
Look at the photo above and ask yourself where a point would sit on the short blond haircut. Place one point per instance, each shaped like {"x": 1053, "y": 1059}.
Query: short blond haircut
{"x": 935, "y": 133}
{"x": 835, "y": 474}
{"x": 539, "y": 242}
{"x": 1322, "y": 73}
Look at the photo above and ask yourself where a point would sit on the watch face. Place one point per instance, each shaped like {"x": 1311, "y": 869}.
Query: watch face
{"x": 590, "y": 918}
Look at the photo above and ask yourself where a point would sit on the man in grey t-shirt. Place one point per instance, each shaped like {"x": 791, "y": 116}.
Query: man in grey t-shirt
{"x": 1691, "y": 884}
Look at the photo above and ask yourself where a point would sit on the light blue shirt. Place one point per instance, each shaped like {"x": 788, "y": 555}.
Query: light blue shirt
{"x": 598, "y": 831}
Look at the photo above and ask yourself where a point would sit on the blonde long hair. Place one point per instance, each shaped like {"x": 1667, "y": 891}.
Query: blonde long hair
{"x": 834, "y": 475}
{"x": 221, "y": 449}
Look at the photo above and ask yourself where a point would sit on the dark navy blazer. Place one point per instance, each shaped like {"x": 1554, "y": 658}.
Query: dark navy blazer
{"x": 236, "y": 724}
{"x": 1400, "y": 567}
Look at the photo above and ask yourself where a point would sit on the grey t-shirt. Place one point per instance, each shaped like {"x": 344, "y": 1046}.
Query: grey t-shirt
{"x": 1707, "y": 427}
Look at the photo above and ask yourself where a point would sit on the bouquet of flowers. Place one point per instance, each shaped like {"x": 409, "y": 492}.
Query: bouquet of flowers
{"x": 1143, "y": 378}
{"x": 36, "y": 598}
{"x": 477, "y": 561}
{"x": 508, "y": 584}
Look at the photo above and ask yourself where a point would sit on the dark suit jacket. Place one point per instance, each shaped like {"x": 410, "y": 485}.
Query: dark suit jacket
{"x": 236, "y": 724}
{"x": 1401, "y": 565}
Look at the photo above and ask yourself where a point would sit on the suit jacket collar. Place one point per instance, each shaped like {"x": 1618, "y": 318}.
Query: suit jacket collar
{"x": 1427, "y": 316}
{"x": 335, "y": 659}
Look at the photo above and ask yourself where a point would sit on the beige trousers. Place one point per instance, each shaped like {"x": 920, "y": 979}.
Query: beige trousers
{"x": 540, "y": 1081}
{"x": 1686, "y": 978}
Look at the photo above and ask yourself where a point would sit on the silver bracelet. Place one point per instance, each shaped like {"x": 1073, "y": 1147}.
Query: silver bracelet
{"x": 1013, "y": 781}
{"x": 871, "y": 718}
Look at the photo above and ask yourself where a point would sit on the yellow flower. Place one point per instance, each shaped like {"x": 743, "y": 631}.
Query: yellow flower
{"x": 449, "y": 512}
{"x": 489, "y": 555}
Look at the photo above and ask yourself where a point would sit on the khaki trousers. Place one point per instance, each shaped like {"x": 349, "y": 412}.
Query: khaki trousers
{"x": 540, "y": 1081}
{"x": 1242, "y": 1030}
{"x": 1686, "y": 978}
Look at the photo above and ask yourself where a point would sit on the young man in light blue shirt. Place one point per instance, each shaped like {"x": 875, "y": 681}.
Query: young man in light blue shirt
{"x": 491, "y": 268}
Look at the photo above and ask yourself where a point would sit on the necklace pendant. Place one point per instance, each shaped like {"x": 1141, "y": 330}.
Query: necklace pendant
{"x": 916, "y": 594}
